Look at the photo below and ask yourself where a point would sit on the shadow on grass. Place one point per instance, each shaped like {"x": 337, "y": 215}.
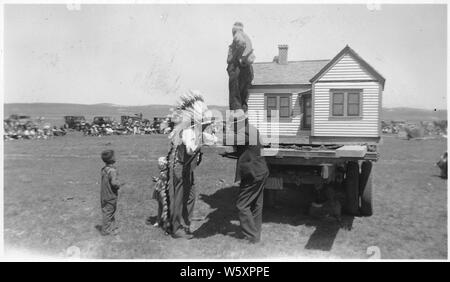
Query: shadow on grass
{"x": 325, "y": 233}
{"x": 291, "y": 208}
{"x": 219, "y": 221}
{"x": 438, "y": 176}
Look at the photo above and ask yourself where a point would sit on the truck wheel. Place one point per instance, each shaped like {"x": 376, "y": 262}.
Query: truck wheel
{"x": 365, "y": 189}
{"x": 352, "y": 188}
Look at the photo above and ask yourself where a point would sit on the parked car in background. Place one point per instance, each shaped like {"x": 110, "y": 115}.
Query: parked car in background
{"x": 74, "y": 122}
{"x": 102, "y": 120}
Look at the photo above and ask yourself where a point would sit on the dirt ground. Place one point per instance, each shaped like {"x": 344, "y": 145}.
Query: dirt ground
{"x": 51, "y": 206}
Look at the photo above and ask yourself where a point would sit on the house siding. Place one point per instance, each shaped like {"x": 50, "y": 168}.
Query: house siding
{"x": 347, "y": 68}
{"x": 257, "y": 112}
{"x": 347, "y": 73}
{"x": 366, "y": 126}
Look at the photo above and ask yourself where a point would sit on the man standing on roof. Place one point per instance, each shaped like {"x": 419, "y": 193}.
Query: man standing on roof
{"x": 240, "y": 70}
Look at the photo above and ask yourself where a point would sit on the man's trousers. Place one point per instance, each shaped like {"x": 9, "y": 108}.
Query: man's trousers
{"x": 240, "y": 79}
{"x": 250, "y": 207}
{"x": 183, "y": 197}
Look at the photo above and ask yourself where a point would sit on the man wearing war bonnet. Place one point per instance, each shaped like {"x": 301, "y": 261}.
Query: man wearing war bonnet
{"x": 183, "y": 157}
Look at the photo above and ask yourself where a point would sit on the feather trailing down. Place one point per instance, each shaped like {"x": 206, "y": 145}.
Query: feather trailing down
{"x": 161, "y": 191}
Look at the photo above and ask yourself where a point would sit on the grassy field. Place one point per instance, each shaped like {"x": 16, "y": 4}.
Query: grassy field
{"x": 51, "y": 202}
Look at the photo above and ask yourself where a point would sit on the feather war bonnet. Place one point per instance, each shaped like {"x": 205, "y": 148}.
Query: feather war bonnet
{"x": 190, "y": 112}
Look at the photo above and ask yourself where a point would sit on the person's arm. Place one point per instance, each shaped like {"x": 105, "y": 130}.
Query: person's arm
{"x": 252, "y": 167}
{"x": 245, "y": 166}
{"x": 230, "y": 54}
{"x": 209, "y": 139}
{"x": 114, "y": 180}
{"x": 236, "y": 49}
{"x": 240, "y": 44}
{"x": 189, "y": 139}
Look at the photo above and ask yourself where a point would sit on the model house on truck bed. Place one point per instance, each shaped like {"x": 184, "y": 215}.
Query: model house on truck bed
{"x": 335, "y": 101}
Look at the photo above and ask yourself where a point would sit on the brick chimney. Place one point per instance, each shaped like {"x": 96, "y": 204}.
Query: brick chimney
{"x": 282, "y": 54}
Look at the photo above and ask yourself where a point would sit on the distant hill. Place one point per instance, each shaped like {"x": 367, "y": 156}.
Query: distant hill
{"x": 54, "y": 112}
{"x": 412, "y": 114}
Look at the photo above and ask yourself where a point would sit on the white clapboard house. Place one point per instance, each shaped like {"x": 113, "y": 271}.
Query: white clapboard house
{"x": 318, "y": 101}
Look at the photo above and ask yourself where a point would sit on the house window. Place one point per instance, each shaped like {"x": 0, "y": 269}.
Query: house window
{"x": 345, "y": 103}
{"x": 280, "y": 103}
{"x": 271, "y": 105}
{"x": 338, "y": 104}
{"x": 353, "y": 104}
{"x": 285, "y": 107}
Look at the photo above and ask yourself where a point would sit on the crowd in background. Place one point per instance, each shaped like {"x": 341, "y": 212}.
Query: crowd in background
{"x": 125, "y": 128}
{"x": 23, "y": 127}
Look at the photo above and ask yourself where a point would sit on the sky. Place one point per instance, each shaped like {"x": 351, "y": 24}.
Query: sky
{"x": 150, "y": 54}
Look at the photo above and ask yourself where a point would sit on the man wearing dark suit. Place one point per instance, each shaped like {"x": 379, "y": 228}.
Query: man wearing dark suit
{"x": 252, "y": 171}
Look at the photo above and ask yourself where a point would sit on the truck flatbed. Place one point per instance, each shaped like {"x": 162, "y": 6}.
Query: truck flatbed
{"x": 318, "y": 154}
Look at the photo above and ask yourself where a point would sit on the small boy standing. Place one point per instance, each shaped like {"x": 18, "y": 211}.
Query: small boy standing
{"x": 109, "y": 193}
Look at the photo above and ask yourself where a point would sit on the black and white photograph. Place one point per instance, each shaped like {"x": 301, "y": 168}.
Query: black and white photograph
{"x": 246, "y": 131}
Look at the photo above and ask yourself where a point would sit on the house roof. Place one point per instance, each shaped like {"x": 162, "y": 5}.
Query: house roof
{"x": 303, "y": 72}
{"x": 294, "y": 72}
{"x": 348, "y": 50}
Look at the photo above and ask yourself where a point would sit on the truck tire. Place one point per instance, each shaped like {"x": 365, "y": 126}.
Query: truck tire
{"x": 365, "y": 189}
{"x": 352, "y": 188}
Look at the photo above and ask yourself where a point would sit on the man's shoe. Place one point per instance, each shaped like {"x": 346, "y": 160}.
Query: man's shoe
{"x": 149, "y": 220}
{"x": 180, "y": 233}
{"x": 253, "y": 240}
{"x": 244, "y": 238}
{"x": 113, "y": 232}
{"x": 187, "y": 229}
{"x": 250, "y": 240}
